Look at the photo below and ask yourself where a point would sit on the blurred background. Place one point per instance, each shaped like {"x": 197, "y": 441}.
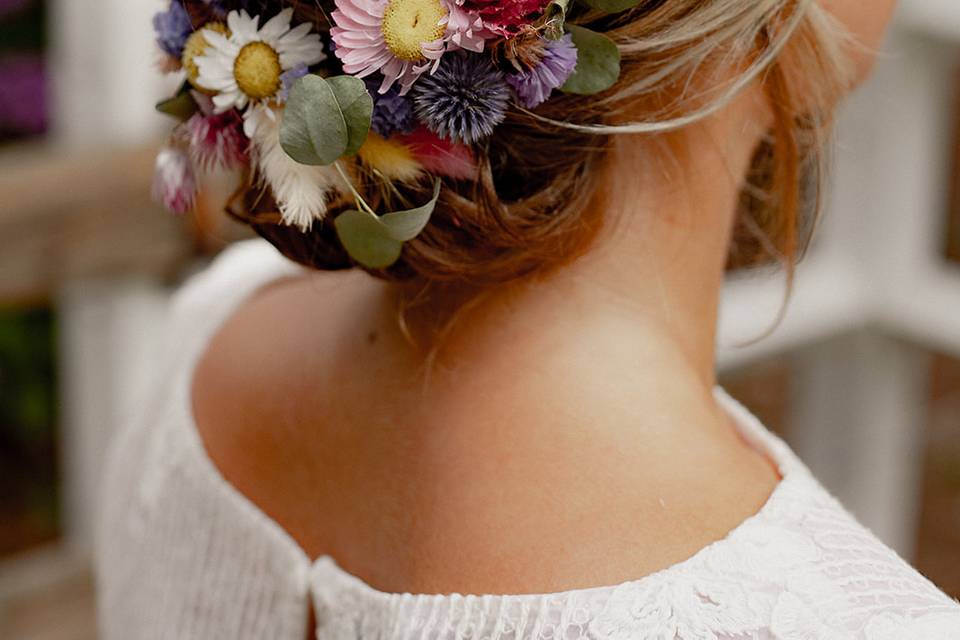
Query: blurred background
{"x": 862, "y": 377}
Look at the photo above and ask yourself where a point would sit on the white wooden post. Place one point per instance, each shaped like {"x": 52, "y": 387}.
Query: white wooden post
{"x": 104, "y": 87}
{"x": 105, "y": 83}
{"x": 108, "y": 340}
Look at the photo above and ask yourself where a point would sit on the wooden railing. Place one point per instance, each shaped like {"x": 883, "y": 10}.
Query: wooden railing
{"x": 70, "y": 214}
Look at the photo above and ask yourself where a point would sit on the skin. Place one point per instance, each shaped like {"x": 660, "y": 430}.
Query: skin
{"x": 572, "y": 418}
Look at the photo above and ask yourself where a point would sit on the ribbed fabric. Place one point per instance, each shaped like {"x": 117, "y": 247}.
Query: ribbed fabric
{"x": 182, "y": 554}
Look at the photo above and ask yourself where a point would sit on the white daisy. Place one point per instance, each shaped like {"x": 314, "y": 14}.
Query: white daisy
{"x": 246, "y": 64}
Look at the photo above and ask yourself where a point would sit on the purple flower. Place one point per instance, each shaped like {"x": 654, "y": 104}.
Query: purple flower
{"x": 23, "y": 101}
{"x": 289, "y": 78}
{"x": 392, "y": 112}
{"x": 174, "y": 181}
{"x": 464, "y": 100}
{"x": 535, "y": 85}
{"x": 173, "y": 27}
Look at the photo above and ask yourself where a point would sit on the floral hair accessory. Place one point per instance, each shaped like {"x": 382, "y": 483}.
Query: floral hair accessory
{"x": 300, "y": 99}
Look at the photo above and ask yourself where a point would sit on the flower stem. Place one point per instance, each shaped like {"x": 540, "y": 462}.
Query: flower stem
{"x": 361, "y": 203}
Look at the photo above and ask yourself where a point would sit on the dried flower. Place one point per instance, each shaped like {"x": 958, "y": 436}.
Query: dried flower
{"x": 464, "y": 100}
{"x": 289, "y": 78}
{"x": 390, "y": 158}
{"x": 506, "y": 17}
{"x": 535, "y": 84}
{"x": 173, "y": 27}
{"x": 441, "y": 157}
{"x": 174, "y": 180}
{"x": 465, "y": 30}
{"x": 392, "y": 112}
{"x": 300, "y": 190}
{"x": 217, "y": 141}
{"x": 398, "y": 38}
{"x": 246, "y": 65}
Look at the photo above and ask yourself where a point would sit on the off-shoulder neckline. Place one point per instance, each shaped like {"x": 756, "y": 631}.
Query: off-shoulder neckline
{"x": 324, "y": 572}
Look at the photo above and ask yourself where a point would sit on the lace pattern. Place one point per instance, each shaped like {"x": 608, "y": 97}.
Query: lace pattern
{"x": 802, "y": 569}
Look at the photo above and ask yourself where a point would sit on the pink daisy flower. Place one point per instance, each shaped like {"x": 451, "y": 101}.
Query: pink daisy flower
{"x": 465, "y": 30}
{"x": 402, "y": 39}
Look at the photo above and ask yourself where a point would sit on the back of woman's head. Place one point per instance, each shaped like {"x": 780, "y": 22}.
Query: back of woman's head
{"x": 522, "y": 200}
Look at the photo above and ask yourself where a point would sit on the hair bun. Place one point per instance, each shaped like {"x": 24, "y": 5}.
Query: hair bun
{"x": 323, "y": 108}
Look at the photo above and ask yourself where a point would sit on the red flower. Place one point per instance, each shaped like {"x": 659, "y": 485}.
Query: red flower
{"x": 506, "y": 16}
{"x": 440, "y": 157}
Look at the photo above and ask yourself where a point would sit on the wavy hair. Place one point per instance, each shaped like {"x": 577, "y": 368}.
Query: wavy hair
{"x": 528, "y": 210}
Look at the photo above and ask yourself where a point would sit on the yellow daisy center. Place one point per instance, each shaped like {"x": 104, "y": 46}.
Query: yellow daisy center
{"x": 408, "y": 24}
{"x": 257, "y": 70}
{"x": 195, "y": 47}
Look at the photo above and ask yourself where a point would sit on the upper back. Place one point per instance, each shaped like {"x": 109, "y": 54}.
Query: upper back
{"x": 313, "y": 403}
{"x": 183, "y": 553}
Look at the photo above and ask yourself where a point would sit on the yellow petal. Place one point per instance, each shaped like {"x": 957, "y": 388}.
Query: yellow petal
{"x": 392, "y": 159}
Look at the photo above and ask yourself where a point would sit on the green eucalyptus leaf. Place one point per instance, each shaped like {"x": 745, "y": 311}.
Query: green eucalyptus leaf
{"x": 612, "y": 6}
{"x": 407, "y": 225}
{"x": 356, "y": 106}
{"x": 554, "y": 17}
{"x": 325, "y": 119}
{"x": 181, "y": 106}
{"x": 367, "y": 240}
{"x": 376, "y": 242}
{"x": 598, "y": 62}
{"x": 313, "y": 130}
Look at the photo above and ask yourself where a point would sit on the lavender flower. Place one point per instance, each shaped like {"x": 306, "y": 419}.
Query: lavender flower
{"x": 464, "y": 100}
{"x": 174, "y": 181}
{"x": 289, "y": 78}
{"x": 173, "y": 27}
{"x": 392, "y": 112}
{"x": 534, "y": 85}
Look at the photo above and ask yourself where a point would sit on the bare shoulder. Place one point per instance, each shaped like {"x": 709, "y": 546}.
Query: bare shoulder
{"x": 308, "y": 395}
{"x": 277, "y": 331}
{"x": 262, "y": 389}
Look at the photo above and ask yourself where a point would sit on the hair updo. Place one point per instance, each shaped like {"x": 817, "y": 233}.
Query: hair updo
{"x": 526, "y": 210}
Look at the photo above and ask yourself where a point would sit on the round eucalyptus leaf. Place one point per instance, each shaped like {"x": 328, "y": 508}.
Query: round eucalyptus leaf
{"x": 376, "y": 242}
{"x": 367, "y": 240}
{"x": 598, "y": 62}
{"x": 356, "y": 106}
{"x": 407, "y": 225}
{"x": 313, "y": 130}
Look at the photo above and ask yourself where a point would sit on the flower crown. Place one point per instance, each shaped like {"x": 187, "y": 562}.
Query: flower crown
{"x": 411, "y": 88}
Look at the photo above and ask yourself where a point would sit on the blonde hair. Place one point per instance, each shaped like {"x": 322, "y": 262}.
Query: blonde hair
{"x": 527, "y": 210}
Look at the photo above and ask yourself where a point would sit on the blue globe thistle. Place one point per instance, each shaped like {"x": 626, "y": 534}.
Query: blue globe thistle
{"x": 173, "y": 27}
{"x": 392, "y": 112}
{"x": 464, "y": 100}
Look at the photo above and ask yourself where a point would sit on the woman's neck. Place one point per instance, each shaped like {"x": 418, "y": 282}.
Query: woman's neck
{"x": 654, "y": 276}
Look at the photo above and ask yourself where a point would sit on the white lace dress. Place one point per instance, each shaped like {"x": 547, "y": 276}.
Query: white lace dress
{"x": 182, "y": 554}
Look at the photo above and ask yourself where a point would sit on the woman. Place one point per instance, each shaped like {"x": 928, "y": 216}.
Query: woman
{"x": 515, "y": 398}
